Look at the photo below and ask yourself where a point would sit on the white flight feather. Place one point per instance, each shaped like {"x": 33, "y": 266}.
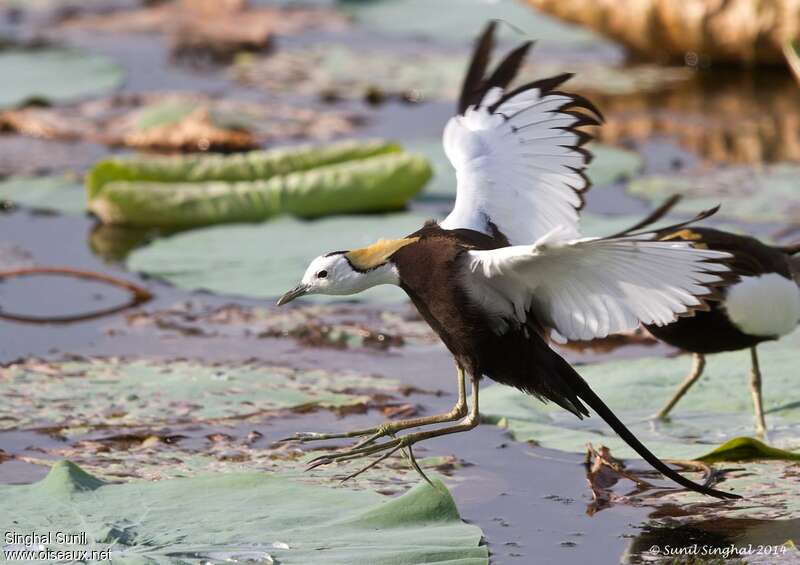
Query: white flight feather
{"x": 588, "y": 288}
{"x": 514, "y": 167}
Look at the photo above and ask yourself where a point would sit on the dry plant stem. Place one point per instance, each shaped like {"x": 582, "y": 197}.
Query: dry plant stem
{"x": 468, "y": 423}
{"x": 698, "y": 364}
{"x": 390, "y": 428}
{"x": 139, "y": 295}
{"x": 731, "y": 31}
{"x": 755, "y": 390}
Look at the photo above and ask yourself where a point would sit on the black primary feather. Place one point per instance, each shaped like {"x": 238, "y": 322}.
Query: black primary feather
{"x": 471, "y": 89}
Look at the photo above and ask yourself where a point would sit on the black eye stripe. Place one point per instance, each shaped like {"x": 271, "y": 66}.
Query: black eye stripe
{"x": 322, "y": 274}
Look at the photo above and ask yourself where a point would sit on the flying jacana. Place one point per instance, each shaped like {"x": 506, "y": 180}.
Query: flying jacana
{"x": 762, "y": 303}
{"x": 508, "y": 265}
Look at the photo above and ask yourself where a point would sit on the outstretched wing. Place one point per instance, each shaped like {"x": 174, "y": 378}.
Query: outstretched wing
{"x": 518, "y": 154}
{"x": 590, "y": 288}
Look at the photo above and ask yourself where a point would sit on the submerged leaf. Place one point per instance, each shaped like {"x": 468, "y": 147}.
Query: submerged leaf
{"x": 716, "y": 409}
{"x": 245, "y": 517}
{"x": 54, "y": 75}
{"x": 265, "y": 260}
{"x": 75, "y": 395}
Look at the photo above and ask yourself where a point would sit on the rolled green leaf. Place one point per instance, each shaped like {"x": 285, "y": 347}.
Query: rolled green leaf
{"x": 379, "y": 183}
{"x": 251, "y": 166}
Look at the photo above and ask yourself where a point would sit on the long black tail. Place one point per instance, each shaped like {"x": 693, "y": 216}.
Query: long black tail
{"x": 581, "y": 388}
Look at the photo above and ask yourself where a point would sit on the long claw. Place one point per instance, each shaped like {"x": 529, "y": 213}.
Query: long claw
{"x": 353, "y": 453}
{"x": 413, "y": 461}
{"x": 372, "y": 464}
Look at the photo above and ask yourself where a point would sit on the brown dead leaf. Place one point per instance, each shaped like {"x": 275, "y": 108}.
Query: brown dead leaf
{"x": 196, "y": 132}
{"x": 116, "y": 121}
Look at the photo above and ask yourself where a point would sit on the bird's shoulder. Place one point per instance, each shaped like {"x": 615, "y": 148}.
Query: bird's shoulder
{"x": 437, "y": 251}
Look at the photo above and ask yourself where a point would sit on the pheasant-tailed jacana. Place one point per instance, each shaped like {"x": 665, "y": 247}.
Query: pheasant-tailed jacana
{"x": 508, "y": 265}
{"x": 762, "y": 303}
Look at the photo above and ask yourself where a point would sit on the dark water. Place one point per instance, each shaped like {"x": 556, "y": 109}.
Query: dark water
{"x": 531, "y": 503}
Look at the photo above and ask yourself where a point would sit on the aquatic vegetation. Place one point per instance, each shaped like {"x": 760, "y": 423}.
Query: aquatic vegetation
{"x": 307, "y": 182}
{"x": 701, "y": 32}
{"x": 73, "y": 396}
{"x": 51, "y": 75}
{"x": 263, "y": 260}
{"x": 245, "y": 517}
{"x": 747, "y": 194}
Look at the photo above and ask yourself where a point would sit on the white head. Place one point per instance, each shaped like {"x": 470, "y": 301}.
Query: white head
{"x": 336, "y": 273}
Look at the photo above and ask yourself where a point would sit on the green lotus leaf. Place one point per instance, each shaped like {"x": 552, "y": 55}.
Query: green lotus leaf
{"x": 746, "y": 193}
{"x": 462, "y": 19}
{"x": 716, "y": 409}
{"x": 54, "y": 75}
{"x": 246, "y": 188}
{"x": 255, "y": 517}
{"x": 60, "y": 193}
{"x": 267, "y": 259}
{"x": 76, "y": 395}
{"x": 746, "y": 449}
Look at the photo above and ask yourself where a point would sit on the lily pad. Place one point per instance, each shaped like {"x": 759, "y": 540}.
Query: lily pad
{"x": 463, "y": 19}
{"x": 746, "y": 193}
{"x": 75, "y": 395}
{"x": 55, "y": 75}
{"x": 716, "y": 409}
{"x": 265, "y": 260}
{"x": 244, "y": 517}
{"x": 63, "y": 194}
{"x": 315, "y": 325}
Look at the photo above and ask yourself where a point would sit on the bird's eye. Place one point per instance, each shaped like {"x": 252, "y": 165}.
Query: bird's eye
{"x": 322, "y": 274}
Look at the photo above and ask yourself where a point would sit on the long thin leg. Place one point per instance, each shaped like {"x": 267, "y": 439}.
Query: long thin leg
{"x": 698, "y": 364}
{"x": 390, "y": 428}
{"x": 356, "y": 452}
{"x": 755, "y": 390}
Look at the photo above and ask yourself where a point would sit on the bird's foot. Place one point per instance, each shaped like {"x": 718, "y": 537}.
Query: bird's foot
{"x": 374, "y": 434}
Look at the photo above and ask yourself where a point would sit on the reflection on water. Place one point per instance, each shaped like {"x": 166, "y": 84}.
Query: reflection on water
{"x": 752, "y": 541}
{"x": 732, "y": 117}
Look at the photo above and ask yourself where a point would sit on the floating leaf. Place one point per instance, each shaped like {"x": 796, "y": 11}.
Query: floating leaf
{"x": 194, "y": 192}
{"x": 64, "y": 194}
{"x": 54, "y": 75}
{"x": 747, "y": 194}
{"x": 419, "y": 73}
{"x": 238, "y": 517}
{"x": 265, "y": 260}
{"x": 75, "y": 395}
{"x": 746, "y": 449}
{"x": 462, "y": 19}
{"x": 717, "y": 408}
{"x": 316, "y": 325}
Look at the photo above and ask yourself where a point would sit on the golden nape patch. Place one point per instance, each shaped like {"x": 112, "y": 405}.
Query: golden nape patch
{"x": 687, "y": 235}
{"x": 378, "y": 253}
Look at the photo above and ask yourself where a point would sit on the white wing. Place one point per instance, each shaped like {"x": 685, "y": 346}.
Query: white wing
{"x": 590, "y": 288}
{"x": 518, "y": 155}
